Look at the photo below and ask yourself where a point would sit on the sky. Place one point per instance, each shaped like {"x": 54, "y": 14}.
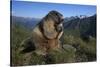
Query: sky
{"x": 40, "y": 9}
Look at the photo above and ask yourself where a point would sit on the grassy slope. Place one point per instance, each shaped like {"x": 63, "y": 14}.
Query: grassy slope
{"x": 75, "y": 49}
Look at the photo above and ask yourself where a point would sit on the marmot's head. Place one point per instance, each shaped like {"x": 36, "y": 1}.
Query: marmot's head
{"x": 55, "y": 16}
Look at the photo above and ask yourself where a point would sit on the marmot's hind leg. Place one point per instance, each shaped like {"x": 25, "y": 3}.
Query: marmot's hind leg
{"x": 27, "y": 46}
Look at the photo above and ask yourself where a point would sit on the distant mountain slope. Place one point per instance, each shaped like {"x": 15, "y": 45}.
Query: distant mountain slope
{"x": 26, "y": 22}
{"x": 85, "y": 26}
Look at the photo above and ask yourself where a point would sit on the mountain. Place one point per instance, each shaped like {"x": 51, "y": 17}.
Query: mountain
{"x": 23, "y": 21}
{"x": 85, "y": 26}
{"x": 75, "y": 25}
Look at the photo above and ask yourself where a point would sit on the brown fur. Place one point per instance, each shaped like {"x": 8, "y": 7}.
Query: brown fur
{"x": 45, "y": 36}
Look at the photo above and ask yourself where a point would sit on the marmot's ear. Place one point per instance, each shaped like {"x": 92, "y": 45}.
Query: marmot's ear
{"x": 49, "y": 29}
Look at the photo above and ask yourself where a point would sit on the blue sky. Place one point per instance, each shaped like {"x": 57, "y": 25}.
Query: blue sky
{"x": 39, "y": 10}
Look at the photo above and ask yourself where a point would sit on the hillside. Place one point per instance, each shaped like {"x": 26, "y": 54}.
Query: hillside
{"x": 84, "y": 27}
{"x": 25, "y": 21}
{"x": 78, "y": 42}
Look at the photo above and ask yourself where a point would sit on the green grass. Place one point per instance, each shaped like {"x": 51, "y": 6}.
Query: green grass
{"x": 85, "y": 50}
{"x": 74, "y": 50}
{"x": 19, "y": 33}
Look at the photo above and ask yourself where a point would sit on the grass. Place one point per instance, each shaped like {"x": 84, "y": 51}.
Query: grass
{"x": 86, "y": 51}
{"x": 74, "y": 50}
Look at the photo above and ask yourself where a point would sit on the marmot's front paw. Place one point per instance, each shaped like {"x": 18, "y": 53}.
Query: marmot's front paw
{"x": 60, "y": 28}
